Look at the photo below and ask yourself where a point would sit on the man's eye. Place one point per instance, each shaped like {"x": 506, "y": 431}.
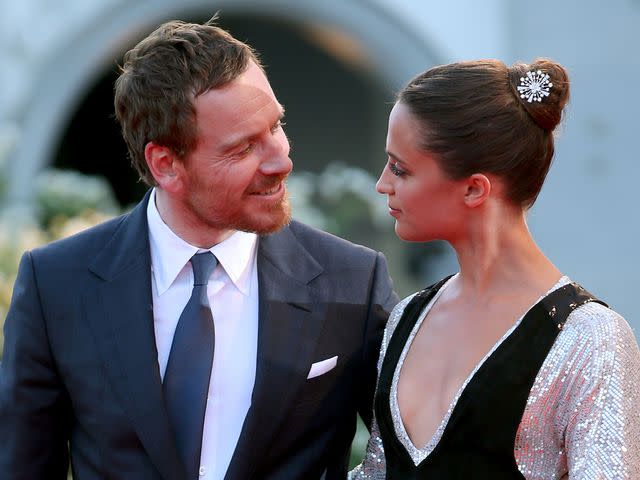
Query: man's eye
{"x": 247, "y": 149}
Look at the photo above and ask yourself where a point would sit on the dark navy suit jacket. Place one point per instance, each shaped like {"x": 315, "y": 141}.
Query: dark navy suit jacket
{"x": 80, "y": 372}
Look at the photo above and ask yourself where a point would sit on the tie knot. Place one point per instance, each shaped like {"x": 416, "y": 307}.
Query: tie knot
{"x": 203, "y": 264}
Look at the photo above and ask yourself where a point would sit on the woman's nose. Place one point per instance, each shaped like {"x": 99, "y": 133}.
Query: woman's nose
{"x": 383, "y": 186}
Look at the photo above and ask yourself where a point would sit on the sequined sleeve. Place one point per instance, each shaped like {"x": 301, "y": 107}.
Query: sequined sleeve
{"x": 373, "y": 467}
{"x": 582, "y": 418}
{"x": 603, "y": 431}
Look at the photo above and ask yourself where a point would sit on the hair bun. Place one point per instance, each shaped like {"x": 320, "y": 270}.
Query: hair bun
{"x": 547, "y": 110}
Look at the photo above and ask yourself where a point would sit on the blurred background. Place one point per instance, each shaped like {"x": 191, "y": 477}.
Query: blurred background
{"x": 336, "y": 66}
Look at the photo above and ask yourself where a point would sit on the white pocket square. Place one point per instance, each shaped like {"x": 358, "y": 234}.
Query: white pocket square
{"x": 322, "y": 367}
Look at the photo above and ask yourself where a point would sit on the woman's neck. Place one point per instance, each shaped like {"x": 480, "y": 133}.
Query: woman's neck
{"x": 498, "y": 257}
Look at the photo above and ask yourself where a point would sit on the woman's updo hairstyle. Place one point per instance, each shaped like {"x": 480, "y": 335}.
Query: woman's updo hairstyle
{"x": 475, "y": 120}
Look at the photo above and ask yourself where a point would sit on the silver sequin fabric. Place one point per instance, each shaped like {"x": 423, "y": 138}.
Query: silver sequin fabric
{"x": 582, "y": 419}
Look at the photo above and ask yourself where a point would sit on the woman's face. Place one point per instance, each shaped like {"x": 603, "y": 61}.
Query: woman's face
{"x": 426, "y": 204}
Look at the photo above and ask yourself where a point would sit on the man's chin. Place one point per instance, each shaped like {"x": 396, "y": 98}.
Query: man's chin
{"x": 274, "y": 228}
{"x": 277, "y": 221}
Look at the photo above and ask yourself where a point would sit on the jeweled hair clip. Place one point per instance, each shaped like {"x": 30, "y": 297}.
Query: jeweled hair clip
{"x": 534, "y": 86}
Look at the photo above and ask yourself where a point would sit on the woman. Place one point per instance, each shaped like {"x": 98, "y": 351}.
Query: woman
{"x": 507, "y": 369}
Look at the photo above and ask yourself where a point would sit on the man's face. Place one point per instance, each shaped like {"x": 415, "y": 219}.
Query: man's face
{"x": 234, "y": 178}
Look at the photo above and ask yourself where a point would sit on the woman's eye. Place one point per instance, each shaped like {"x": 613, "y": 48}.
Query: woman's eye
{"x": 395, "y": 170}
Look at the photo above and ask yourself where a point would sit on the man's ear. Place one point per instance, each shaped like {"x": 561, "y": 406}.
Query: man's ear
{"x": 477, "y": 190}
{"x": 164, "y": 166}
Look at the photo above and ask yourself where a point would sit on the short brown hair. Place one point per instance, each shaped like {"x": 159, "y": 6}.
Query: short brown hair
{"x": 161, "y": 77}
{"x": 475, "y": 121}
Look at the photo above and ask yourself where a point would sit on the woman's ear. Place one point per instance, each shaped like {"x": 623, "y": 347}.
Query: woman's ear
{"x": 477, "y": 190}
{"x": 164, "y": 166}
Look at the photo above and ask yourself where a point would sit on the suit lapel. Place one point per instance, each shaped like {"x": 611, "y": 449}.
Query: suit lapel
{"x": 290, "y": 320}
{"x": 120, "y": 309}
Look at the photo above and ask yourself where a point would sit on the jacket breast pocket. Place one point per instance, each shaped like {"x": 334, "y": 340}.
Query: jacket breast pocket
{"x": 324, "y": 387}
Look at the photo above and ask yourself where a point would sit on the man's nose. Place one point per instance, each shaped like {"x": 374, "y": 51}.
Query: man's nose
{"x": 278, "y": 161}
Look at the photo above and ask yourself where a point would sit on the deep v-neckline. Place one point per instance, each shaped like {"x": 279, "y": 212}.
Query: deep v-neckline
{"x": 417, "y": 454}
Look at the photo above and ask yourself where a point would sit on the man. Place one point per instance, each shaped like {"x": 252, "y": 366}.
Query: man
{"x": 118, "y": 348}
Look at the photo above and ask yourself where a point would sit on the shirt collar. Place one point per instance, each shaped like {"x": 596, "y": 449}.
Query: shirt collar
{"x": 170, "y": 253}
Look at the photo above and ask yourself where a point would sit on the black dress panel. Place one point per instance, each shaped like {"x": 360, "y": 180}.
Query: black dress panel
{"x": 479, "y": 438}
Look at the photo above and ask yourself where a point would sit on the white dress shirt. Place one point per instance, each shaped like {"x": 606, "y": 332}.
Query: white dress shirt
{"x": 233, "y": 296}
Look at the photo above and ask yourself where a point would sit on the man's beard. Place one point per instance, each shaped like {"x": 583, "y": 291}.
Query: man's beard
{"x": 282, "y": 218}
{"x": 277, "y": 217}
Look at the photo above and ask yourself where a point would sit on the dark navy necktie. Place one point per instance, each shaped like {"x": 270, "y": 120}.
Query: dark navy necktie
{"x": 186, "y": 379}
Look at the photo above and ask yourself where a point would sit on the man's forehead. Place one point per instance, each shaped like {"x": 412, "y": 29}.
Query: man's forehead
{"x": 254, "y": 77}
{"x": 250, "y": 87}
{"x": 239, "y": 103}
{"x": 241, "y": 109}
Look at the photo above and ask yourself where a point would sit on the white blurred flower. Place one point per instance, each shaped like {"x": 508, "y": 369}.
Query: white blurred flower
{"x": 69, "y": 193}
{"x": 9, "y": 134}
{"x": 62, "y": 227}
{"x": 302, "y": 188}
{"x": 339, "y": 179}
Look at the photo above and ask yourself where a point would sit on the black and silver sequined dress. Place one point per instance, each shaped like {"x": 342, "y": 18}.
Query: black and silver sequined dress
{"x": 557, "y": 397}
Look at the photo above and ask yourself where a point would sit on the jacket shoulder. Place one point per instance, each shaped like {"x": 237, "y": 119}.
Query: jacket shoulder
{"x": 327, "y": 246}
{"x": 82, "y": 245}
